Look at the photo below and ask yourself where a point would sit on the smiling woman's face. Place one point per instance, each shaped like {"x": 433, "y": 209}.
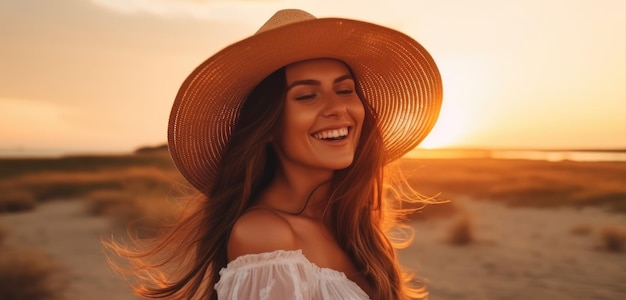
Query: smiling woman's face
{"x": 322, "y": 117}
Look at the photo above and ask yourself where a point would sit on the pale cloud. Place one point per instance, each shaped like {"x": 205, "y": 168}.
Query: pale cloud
{"x": 213, "y": 10}
{"x": 255, "y": 12}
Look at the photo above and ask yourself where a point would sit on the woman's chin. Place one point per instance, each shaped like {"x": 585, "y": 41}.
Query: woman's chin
{"x": 340, "y": 164}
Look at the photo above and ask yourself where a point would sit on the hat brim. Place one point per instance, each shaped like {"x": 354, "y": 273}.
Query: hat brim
{"x": 397, "y": 75}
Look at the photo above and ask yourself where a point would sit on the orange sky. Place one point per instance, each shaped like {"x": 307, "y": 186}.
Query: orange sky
{"x": 101, "y": 75}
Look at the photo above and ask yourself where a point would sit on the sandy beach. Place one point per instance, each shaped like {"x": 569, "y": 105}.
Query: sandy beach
{"x": 518, "y": 253}
{"x": 62, "y": 230}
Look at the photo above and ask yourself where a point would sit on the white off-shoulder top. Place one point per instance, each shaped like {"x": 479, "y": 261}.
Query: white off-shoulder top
{"x": 283, "y": 274}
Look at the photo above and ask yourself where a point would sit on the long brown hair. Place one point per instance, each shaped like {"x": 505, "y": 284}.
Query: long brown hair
{"x": 184, "y": 263}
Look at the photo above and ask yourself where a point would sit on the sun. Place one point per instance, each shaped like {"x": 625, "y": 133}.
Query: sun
{"x": 450, "y": 130}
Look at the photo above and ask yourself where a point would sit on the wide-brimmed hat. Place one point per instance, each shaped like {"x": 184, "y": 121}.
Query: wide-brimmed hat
{"x": 397, "y": 75}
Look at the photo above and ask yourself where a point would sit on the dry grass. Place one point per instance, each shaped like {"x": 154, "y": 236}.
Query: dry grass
{"x": 15, "y": 200}
{"x": 142, "y": 196}
{"x": 136, "y": 186}
{"x": 108, "y": 202}
{"x": 3, "y": 235}
{"x": 138, "y": 210}
{"x": 435, "y": 210}
{"x": 27, "y": 274}
{"x": 14, "y": 167}
{"x": 461, "y": 231}
{"x": 614, "y": 238}
{"x": 581, "y": 229}
{"x": 143, "y": 201}
{"x": 522, "y": 182}
{"x": 71, "y": 184}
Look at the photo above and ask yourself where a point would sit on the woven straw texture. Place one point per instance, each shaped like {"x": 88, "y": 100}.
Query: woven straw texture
{"x": 398, "y": 77}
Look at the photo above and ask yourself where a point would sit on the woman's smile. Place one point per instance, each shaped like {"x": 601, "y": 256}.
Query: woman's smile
{"x": 332, "y": 134}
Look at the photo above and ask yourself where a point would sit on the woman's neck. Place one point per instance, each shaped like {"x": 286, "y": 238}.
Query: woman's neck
{"x": 297, "y": 193}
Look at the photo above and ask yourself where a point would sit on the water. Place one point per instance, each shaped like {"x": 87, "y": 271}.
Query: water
{"x": 30, "y": 153}
{"x": 561, "y": 155}
{"x": 52, "y": 153}
{"x": 547, "y": 155}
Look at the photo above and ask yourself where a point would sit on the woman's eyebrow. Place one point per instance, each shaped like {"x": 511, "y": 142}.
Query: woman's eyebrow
{"x": 342, "y": 78}
{"x": 317, "y": 82}
{"x": 303, "y": 82}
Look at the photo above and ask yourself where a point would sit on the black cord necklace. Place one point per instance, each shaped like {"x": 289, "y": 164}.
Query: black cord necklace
{"x": 305, "y": 203}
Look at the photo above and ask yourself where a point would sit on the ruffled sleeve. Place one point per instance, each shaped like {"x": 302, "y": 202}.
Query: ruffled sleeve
{"x": 272, "y": 275}
{"x": 283, "y": 275}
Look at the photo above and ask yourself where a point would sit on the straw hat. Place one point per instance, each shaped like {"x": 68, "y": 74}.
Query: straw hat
{"x": 398, "y": 77}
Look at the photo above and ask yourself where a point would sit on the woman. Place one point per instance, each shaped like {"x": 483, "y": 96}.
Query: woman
{"x": 286, "y": 135}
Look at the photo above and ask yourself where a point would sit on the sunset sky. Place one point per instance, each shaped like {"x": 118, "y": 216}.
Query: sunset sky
{"x": 101, "y": 75}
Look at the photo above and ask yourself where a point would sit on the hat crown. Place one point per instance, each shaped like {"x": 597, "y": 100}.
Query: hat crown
{"x": 285, "y": 17}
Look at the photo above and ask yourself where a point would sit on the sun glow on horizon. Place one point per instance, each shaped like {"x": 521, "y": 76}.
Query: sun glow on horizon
{"x": 451, "y": 128}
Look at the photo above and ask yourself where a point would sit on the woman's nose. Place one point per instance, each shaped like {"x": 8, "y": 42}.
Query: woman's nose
{"x": 334, "y": 106}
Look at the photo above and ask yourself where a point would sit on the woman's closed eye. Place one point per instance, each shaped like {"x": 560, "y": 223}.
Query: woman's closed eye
{"x": 344, "y": 91}
{"x": 306, "y": 96}
{"x": 344, "y": 88}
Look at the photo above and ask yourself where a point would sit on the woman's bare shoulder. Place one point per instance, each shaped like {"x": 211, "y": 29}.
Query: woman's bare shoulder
{"x": 260, "y": 230}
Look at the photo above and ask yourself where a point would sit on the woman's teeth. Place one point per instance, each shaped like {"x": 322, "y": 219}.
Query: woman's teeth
{"x": 333, "y": 134}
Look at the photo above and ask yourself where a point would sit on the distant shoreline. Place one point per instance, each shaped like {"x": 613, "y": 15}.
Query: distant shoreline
{"x": 529, "y": 149}
{"x": 581, "y": 155}
{"x": 441, "y": 153}
{"x": 53, "y": 153}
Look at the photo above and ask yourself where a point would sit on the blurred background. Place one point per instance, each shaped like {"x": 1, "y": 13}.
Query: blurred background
{"x": 530, "y": 147}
